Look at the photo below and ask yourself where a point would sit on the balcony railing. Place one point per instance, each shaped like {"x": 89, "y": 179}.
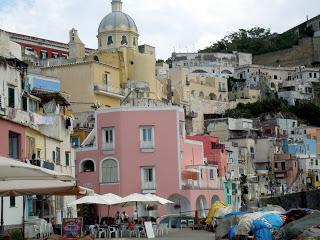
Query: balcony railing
{"x": 148, "y": 186}
{"x": 202, "y": 184}
{"x": 109, "y": 89}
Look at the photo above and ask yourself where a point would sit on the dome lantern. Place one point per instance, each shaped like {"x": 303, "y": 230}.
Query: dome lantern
{"x": 116, "y": 6}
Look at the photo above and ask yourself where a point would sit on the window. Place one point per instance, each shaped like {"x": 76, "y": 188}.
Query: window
{"x": 14, "y": 145}
{"x": 75, "y": 141}
{"x": 310, "y": 75}
{"x": 106, "y": 78}
{"x": 68, "y": 158}
{"x": 108, "y": 140}
{"x": 87, "y": 166}
{"x": 148, "y": 178}
{"x": 43, "y": 54}
{"x": 134, "y": 42}
{"x": 12, "y": 202}
{"x": 53, "y": 156}
{"x": 24, "y": 103}
{"x": 124, "y": 40}
{"x": 30, "y": 145}
{"x": 308, "y": 147}
{"x": 275, "y": 165}
{"x": 316, "y": 162}
{"x": 110, "y": 40}
{"x": 58, "y": 160}
{"x": 147, "y": 137}
{"x": 38, "y": 153}
{"x": 109, "y": 171}
{"x": 211, "y": 174}
{"x": 275, "y": 76}
{"x": 315, "y": 75}
{"x": 283, "y": 166}
{"x": 55, "y": 55}
{"x": 11, "y": 97}
{"x": 252, "y": 152}
{"x": 33, "y": 105}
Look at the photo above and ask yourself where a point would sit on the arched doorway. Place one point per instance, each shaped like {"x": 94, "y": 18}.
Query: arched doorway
{"x": 202, "y": 206}
{"x": 214, "y": 199}
{"x": 181, "y": 205}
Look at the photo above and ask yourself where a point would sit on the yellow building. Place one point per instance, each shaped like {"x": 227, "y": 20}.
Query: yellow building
{"x": 35, "y": 144}
{"x": 105, "y": 77}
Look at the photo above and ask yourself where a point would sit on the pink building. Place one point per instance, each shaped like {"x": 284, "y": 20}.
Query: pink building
{"x": 145, "y": 150}
{"x": 12, "y": 139}
{"x": 214, "y": 152}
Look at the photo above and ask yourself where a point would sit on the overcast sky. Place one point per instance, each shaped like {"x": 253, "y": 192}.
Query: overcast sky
{"x": 180, "y": 25}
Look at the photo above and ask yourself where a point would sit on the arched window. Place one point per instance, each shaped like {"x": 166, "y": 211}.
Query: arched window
{"x": 96, "y": 58}
{"x": 87, "y": 166}
{"x": 193, "y": 93}
{"x": 109, "y": 171}
{"x": 124, "y": 40}
{"x": 272, "y": 85}
{"x": 212, "y": 96}
{"x": 110, "y": 40}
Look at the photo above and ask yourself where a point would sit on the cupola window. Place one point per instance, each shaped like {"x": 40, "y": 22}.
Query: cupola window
{"x": 124, "y": 40}
{"x": 110, "y": 40}
{"x": 134, "y": 42}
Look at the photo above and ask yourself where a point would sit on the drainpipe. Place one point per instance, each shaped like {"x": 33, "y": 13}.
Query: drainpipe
{"x": 1, "y": 221}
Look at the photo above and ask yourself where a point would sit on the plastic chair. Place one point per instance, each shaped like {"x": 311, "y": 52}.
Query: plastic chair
{"x": 190, "y": 222}
{"x": 113, "y": 230}
{"x": 156, "y": 230}
{"x": 102, "y": 231}
{"x": 164, "y": 228}
{"x": 123, "y": 230}
{"x": 93, "y": 230}
{"x": 183, "y": 223}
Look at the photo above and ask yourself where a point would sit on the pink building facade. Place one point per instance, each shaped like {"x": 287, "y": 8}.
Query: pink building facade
{"x": 214, "y": 152}
{"x": 12, "y": 139}
{"x": 145, "y": 150}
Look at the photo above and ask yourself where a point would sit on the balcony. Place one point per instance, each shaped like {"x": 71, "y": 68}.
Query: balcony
{"x": 202, "y": 184}
{"x": 108, "y": 90}
{"x": 42, "y": 163}
{"x": 148, "y": 187}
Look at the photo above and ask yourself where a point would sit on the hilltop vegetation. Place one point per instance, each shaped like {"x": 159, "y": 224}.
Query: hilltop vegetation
{"x": 306, "y": 112}
{"x": 256, "y": 40}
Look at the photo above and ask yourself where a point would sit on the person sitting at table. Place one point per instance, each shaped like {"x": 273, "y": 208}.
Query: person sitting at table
{"x": 124, "y": 217}
{"x": 131, "y": 225}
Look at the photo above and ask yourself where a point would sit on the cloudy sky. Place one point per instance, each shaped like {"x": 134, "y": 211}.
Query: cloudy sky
{"x": 180, "y": 25}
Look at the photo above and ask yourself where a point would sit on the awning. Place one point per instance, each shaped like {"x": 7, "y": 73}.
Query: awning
{"x": 41, "y": 187}
{"x": 49, "y": 96}
{"x": 16, "y": 170}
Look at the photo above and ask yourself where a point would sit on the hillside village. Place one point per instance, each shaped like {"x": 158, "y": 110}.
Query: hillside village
{"x": 202, "y": 127}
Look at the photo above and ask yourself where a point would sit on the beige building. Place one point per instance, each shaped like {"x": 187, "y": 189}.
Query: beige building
{"x": 118, "y": 68}
{"x": 245, "y": 95}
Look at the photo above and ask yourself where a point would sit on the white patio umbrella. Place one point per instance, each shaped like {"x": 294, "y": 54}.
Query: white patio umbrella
{"x": 17, "y": 170}
{"x": 93, "y": 199}
{"x": 136, "y": 199}
{"x": 163, "y": 201}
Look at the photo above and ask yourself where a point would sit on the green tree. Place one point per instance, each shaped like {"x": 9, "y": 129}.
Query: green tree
{"x": 256, "y": 40}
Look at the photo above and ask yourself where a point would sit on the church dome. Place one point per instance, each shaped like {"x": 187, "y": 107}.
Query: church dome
{"x": 117, "y": 20}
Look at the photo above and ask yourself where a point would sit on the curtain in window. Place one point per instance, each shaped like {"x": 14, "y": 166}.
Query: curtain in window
{"x": 109, "y": 171}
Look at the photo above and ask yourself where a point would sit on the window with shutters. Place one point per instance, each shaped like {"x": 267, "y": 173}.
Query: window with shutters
{"x": 108, "y": 139}
{"x": 30, "y": 144}
{"x": 148, "y": 180}
{"x": 147, "y": 137}
{"x": 109, "y": 171}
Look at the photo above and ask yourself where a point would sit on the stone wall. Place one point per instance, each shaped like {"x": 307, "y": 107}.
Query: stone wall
{"x": 306, "y": 53}
{"x": 308, "y": 199}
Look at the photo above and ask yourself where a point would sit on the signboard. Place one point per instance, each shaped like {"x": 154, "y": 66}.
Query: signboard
{"x": 149, "y": 229}
{"x": 71, "y": 228}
